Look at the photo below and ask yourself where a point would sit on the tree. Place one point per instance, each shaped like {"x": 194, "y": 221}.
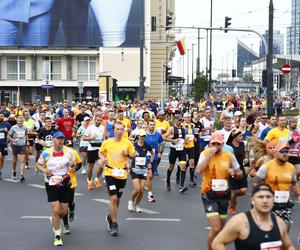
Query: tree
{"x": 200, "y": 85}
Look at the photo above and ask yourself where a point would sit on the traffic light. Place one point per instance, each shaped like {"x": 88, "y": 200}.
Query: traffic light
{"x": 153, "y": 23}
{"x": 168, "y": 22}
{"x": 168, "y": 73}
{"x": 281, "y": 81}
{"x": 227, "y": 22}
{"x": 264, "y": 78}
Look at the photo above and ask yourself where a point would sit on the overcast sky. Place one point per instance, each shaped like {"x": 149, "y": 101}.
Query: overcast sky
{"x": 248, "y": 14}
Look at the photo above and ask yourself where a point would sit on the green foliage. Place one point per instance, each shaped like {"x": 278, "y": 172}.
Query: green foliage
{"x": 294, "y": 112}
{"x": 218, "y": 124}
{"x": 200, "y": 85}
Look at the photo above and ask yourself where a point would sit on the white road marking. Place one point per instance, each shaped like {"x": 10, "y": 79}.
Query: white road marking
{"x": 102, "y": 200}
{"x": 148, "y": 211}
{"x": 208, "y": 228}
{"x": 35, "y": 217}
{"x": 37, "y": 186}
{"x": 11, "y": 180}
{"x": 153, "y": 219}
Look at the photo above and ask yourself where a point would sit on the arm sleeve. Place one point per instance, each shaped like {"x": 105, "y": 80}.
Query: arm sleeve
{"x": 262, "y": 171}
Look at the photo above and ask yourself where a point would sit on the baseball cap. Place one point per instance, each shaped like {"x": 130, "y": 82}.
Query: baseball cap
{"x": 238, "y": 113}
{"x": 86, "y": 118}
{"x": 262, "y": 187}
{"x": 58, "y": 134}
{"x": 281, "y": 145}
{"x": 187, "y": 114}
{"x": 161, "y": 113}
{"x": 178, "y": 117}
{"x": 217, "y": 137}
{"x": 141, "y": 132}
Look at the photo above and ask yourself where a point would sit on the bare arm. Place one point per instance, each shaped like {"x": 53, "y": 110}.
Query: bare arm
{"x": 286, "y": 242}
{"x": 167, "y": 134}
{"x": 230, "y": 232}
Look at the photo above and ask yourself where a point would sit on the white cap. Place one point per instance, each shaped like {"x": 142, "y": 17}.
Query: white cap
{"x": 187, "y": 114}
{"x": 238, "y": 113}
{"x": 86, "y": 118}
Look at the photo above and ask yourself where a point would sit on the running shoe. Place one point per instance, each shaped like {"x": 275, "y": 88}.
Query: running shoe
{"x": 58, "y": 241}
{"x": 114, "y": 231}
{"x": 27, "y": 165}
{"x": 14, "y": 175}
{"x": 108, "y": 221}
{"x": 183, "y": 189}
{"x": 193, "y": 184}
{"x": 151, "y": 198}
{"x": 66, "y": 229}
{"x": 131, "y": 206}
{"x": 22, "y": 178}
{"x": 97, "y": 183}
{"x": 168, "y": 185}
{"x": 71, "y": 215}
{"x": 232, "y": 210}
{"x": 83, "y": 171}
{"x": 138, "y": 209}
{"x": 90, "y": 186}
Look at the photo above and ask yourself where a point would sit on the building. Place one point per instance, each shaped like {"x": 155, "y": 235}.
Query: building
{"x": 245, "y": 56}
{"x": 106, "y": 51}
{"x": 278, "y": 44}
{"x": 293, "y": 32}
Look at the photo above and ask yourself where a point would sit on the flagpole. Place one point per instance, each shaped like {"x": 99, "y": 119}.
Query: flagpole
{"x": 18, "y": 96}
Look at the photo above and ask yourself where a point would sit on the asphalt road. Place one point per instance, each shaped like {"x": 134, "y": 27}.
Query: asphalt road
{"x": 175, "y": 222}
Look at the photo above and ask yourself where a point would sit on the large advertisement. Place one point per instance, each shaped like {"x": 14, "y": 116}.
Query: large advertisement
{"x": 71, "y": 23}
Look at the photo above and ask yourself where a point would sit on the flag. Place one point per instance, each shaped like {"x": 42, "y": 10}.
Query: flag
{"x": 181, "y": 46}
{"x": 18, "y": 96}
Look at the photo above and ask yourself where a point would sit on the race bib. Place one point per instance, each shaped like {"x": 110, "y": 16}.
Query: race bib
{"x": 118, "y": 172}
{"x": 283, "y": 140}
{"x": 275, "y": 245}
{"x": 281, "y": 196}
{"x": 140, "y": 161}
{"x": 294, "y": 152}
{"x": 190, "y": 137}
{"x": 219, "y": 185}
{"x": 206, "y": 138}
{"x": 2, "y": 135}
{"x": 55, "y": 180}
{"x": 140, "y": 171}
{"x": 180, "y": 145}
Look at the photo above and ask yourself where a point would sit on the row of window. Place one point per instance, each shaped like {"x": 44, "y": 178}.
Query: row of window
{"x": 86, "y": 68}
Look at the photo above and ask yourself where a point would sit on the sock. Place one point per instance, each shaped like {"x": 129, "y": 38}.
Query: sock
{"x": 72, "y": 206}
{"x": 178, "y": 173}
{"x": 89, "y": 181}
{"x": 56, "y": 232}
{"x": 96, "y": 179}
{"x": 183, "y": 173}
{"x": 169, "y": 172}
{"x": 192, "y": 173}
{"x": 149, "y": 193}
{"x": 65, "y": 220}
{"x": 158, "y": 161}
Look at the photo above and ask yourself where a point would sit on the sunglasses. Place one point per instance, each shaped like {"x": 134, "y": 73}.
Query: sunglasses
{"x": 216, "y": 144}
{"x": 284, "y": 151}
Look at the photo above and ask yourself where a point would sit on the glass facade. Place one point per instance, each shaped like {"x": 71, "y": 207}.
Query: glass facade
{"x": 245, "y": 56}
{"x": 293, "y": 32}
{"x": 52, "y": 68}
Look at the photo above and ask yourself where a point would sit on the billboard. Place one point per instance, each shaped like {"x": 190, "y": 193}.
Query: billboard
{"x": 70, "y": 23}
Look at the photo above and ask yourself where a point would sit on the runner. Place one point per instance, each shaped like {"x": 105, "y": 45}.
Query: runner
{"x": 4, "y": 128}
{"x": 55, "y": 163}
{"x": 140, "y": 169}
{"x": 83, "y": 145}
{"x": 216, "y": 165}
{"x": 115, "y": 152}
{"x": 257, "y": 229}
{"x": 281, "y": 176}
{"x": 176, "y": 151}
{"x": 154, "y": 140}
{"x": 279, "y": 133}
{"x": 18, "y": 135}
{"x": 66, "y": 125}
{"x": 94, "y": 134}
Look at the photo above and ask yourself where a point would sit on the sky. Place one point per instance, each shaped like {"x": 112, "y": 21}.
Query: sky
{"x": 245, "y": 14}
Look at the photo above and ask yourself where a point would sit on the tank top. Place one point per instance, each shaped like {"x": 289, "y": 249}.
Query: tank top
{"x": 259, "y": 239}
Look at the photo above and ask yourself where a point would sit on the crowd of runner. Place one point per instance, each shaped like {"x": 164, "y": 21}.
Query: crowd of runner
{"x": 228, "y": 141}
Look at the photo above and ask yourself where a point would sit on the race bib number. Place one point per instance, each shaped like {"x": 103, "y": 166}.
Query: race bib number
{"x": 180, "y": 145}
{"x": 281, "y": 196}
{"x": 219, "y": 185}
{"x": 140, "y": 161}
{"x": 118, "y": 172}
{"x": 283, "y": 140}
{"x": 275, "y": 245}
{"x": 2, "y": 135}
{"x": 55, "y": 180}
{"x": 294, "y": 152}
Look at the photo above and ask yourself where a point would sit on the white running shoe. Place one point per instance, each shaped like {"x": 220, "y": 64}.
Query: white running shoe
{"x": 83, "y": 171}
{"x": 138, "y": 209}
{"x": 131, "y": 206}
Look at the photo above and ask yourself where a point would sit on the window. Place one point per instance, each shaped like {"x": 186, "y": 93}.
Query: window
{"x": 86, "y": 68}
{"x": 52, "y": 68}
{"x": 16, "y": 67}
